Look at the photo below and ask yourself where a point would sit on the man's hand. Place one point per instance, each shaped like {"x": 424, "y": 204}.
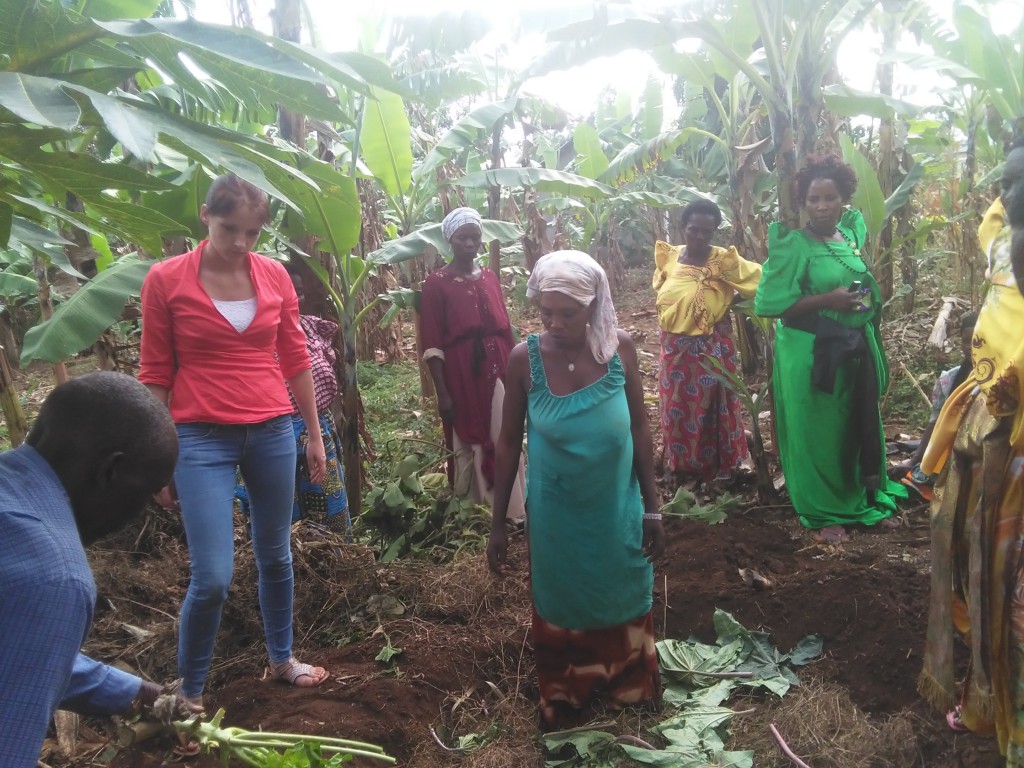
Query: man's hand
{"x": 167, "y": 497}
{"x": 164, "y": 703}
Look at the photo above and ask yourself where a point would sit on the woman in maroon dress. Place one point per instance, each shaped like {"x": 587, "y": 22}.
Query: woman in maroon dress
{"x": 466, "y": 338}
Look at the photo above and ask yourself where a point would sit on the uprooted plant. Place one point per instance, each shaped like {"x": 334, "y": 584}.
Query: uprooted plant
{"x": 414, "y": 513}
{"x": 261, "y": 749}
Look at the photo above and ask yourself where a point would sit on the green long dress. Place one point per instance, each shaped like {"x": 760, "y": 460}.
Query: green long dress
{"x": 816, "y": 437}
{"x": 585, "y": 512}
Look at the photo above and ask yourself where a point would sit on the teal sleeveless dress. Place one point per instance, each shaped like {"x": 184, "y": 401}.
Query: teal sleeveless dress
{"x": 584, "y": 506}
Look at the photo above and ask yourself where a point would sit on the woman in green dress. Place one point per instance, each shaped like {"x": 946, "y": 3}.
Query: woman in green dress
{"x": 829, "y": 363}
{"x": 592, "y": 506}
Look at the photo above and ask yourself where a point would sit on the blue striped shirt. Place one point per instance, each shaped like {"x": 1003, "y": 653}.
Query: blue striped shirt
{"x": 47, "y": 596}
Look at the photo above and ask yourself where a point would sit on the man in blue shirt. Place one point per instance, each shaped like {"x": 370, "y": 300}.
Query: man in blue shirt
{"x": 101, "y": 446}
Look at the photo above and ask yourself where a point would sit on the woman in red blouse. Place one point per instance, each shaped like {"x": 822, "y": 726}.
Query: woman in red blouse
{"x": 466, "y": 338}
{"x": 220, "y": 338}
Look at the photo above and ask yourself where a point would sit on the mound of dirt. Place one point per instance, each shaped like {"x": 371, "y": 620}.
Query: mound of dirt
{"x": 871, "y": 615}
{"x": 465, "y": 660}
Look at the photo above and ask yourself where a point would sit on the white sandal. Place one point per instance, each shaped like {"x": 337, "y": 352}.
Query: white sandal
{"x": 291, "y": 670}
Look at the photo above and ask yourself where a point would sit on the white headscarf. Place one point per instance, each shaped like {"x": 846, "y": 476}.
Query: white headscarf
{"x": 458, "y": 218}
{"x": 579, "y": 277}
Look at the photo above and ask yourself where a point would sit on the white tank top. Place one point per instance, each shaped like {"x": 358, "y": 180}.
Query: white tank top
{"x": 238, "y": 313}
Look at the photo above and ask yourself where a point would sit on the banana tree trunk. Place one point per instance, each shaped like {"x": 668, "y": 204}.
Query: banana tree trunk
{"x": 888, "y": 170}
{"x": 970, "y": 247}
{"x": 494, "y": 198}
{"x": 8, "y": 341}
{"x": 14, "y": 416}
{"x": 349, "y": 427}
{"x": 785, "y": 166}
{"x": 60, "y": 371}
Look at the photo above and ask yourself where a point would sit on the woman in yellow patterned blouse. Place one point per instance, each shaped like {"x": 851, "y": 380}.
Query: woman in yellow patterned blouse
{"x": 977, "y": 578}
{"x": 701, "y": 420}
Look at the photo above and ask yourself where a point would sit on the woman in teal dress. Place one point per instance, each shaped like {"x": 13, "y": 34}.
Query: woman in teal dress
{"x": 592, "y": 506}
{"x": 830, "y": 367}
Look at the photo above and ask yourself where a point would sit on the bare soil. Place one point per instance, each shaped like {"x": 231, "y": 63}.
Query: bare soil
{"x": 466, "y": 661}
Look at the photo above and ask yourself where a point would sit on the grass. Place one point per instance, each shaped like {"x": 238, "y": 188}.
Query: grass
{"x": 397, "y": 418}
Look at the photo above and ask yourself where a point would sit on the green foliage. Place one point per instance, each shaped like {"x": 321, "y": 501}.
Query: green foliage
{"x": 79, "y": 152}
{"x": 93, "y": 311}
{"x": 684, "y": 504}
{"x": 466, "y": 133}
{"x": 262, "y": 749}
{"x": 698, "y": 679}
{"x": 868, "y": 197}
{"x": 902, "y": 403}
{"x": 592, "y": 161}
{"x": 388, "y": 652}
{"x": 386, "y": 142}
{"x": 844, "y": 100}
{"x": 638, "y": 159}
{"x": 414, "y": 514}
{"x": 470, "y": 742}
{"x": 412, "y": 245}
{"x": 542, "y": 179}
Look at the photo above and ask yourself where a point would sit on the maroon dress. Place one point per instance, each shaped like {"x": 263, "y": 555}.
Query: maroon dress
{"x": 467, "y": 320}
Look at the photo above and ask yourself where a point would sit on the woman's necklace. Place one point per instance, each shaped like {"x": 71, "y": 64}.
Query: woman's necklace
{"x": 834, "y": 254}
{"x": 572, "y": 362}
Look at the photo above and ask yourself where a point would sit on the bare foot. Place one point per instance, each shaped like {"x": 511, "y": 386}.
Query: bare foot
{"x": 832, "y": 534}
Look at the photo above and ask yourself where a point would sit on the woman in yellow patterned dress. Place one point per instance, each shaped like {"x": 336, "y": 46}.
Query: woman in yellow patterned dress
{"x": 701, "y": 419}
{"x": 978, "y": 514}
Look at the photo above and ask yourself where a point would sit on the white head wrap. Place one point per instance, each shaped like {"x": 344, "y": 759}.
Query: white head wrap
{"x": 579, "y": 277}
{"x": 458, "y": 218}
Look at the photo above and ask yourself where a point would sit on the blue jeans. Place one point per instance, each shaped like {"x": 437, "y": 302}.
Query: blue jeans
{"x": 208, "y": 457}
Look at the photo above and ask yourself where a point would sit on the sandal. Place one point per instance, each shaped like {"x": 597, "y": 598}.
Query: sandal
{"x": 954, "y": 719}
{"x": 832, "y": 534}
{"x": 291, "y": 671}
{"x": 187, "y": 746}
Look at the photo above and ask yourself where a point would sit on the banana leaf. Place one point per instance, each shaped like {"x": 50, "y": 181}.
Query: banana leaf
{"x": 78, "y": 322}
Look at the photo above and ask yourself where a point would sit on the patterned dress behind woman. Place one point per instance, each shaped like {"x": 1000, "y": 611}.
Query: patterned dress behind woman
{"x": 977, "y": 527}
{"x": 701, "y": 418}
{"x": 326, "y": 502}
{"x": 821, "y": 434}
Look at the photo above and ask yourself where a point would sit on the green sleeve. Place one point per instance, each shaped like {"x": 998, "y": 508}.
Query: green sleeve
{"x": 853, "y": 222}
{"x": 784, "y": 270}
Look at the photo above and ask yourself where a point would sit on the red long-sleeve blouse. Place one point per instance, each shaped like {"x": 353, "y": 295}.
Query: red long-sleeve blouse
{"x": 214, "y": 373}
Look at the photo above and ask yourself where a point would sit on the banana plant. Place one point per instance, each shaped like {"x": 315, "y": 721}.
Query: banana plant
{"x": 103, "y": 111}
{"x": 784, "y": 51}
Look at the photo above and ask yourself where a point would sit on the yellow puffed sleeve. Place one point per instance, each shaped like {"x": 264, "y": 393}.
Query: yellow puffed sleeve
{"x": 991, "y": 225}
{"x": 741, "y": 274}
{"x": 665, "y": 255}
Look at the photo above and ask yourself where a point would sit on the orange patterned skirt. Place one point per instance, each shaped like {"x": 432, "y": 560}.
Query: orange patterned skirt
{"x": 618, "y": 665}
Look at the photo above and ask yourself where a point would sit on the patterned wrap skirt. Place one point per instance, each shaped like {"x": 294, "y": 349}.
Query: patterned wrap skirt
{"x": 618, "y": 665}
{"x": 326, "y": 503}
{"x": 701, "y": 418}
